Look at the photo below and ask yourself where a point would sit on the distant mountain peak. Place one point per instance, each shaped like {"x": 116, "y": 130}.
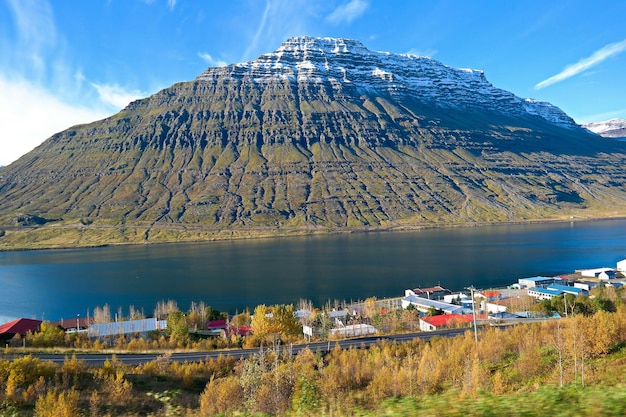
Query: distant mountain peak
{"x": 614, "y": 128}
{"x": 326, "y": 44}
{"x": 347, "y": 63}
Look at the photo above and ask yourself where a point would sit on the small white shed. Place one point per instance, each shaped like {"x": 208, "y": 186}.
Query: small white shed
{"x": 353, "y": 330}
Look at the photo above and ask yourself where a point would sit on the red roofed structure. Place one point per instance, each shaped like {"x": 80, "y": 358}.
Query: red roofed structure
{"x": 216, "y": 325}
{"x": 444, "y": 320}
{"x": 432, "y": 293}
{"x": 19, "y": 326}
{"x": 490, "y": 295}
{"x": 79, "y": 323}
{"x": 239, "y": 331}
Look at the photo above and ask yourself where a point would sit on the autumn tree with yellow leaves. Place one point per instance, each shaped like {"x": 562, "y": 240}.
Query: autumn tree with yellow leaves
{"x": 278, "y": 321}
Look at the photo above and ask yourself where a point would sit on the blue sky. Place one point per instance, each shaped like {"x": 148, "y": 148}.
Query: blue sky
{"x": 64, "y": 62}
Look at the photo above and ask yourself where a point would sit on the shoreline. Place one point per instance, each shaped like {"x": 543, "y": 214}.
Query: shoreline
{"x": 222, "y": 235}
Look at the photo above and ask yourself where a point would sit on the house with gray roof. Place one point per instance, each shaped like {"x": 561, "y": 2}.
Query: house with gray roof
{"x": 424, "y": 304}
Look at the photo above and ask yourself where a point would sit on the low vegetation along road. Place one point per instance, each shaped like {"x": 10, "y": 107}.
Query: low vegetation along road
{"x": 97, "y": 359}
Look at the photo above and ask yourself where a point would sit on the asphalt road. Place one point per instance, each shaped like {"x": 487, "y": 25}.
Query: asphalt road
{"x": 97, "y": 359}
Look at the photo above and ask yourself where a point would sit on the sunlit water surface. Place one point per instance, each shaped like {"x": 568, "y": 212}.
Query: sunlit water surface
{"x": 231, "y": 276}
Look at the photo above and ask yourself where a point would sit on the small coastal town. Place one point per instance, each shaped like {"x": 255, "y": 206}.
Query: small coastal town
{"x": 435, "y": 308}
{"x": 564, "y": 333}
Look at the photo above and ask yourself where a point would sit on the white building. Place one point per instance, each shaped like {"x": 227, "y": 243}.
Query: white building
{"x": 621, "y": 266}
{"x": 432, "y": 293}
{"x": 424, "y": 304}
{"x": 497, "y": 306}
{"x": 593, "y": 273}
{"x": 458, "y": 297}
{"x": 586, "y": 285}
{"x": 543, "y": 293}
{"x": 606, "y": 275}
{"x": 554, "y": 290}
{"x": 538, "y": 281}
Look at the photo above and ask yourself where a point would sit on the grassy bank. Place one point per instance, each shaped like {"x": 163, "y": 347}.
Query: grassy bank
{"x": 64, "y": 236}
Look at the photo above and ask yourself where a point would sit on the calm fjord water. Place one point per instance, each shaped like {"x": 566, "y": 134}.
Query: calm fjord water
{"x": 234, "y": 275}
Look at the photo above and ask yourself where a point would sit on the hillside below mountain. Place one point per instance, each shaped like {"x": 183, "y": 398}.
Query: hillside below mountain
{"x": 320, "y": 135}
{"x": 614, "y": 128}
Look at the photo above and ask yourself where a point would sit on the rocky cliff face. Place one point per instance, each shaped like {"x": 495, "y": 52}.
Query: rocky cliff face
{"x": 321, "y": 133}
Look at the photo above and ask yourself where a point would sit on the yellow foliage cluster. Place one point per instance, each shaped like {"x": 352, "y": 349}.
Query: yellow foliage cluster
{"x": 568, "y": 352}
{"x": 58, "y": 404}
{"x": 271, "y": 323}
{"x": 502, "y": 362}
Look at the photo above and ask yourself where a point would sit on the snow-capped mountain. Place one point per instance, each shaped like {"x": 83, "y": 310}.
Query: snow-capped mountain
{"x": 614, "y": 128}
{"x": 320, "y": 134}
{"x": 346, "y": 63}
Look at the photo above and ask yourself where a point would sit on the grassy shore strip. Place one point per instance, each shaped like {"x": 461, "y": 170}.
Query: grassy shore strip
{"x": 72, "y": 236}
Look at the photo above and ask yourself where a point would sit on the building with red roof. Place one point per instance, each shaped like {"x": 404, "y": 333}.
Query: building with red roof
{"x": 490, "y": 295}
{"x": 216, "y": 325}
{"x": 431, "y": 323}
{"x": 77, "y": 324}
{"x": 239, "y": 331}
{"x": 19, "y": 326}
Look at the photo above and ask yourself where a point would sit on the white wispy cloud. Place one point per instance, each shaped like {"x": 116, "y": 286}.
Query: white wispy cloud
{"x": 29, "y": 111}
{"x": 36, "y": 35}
{"x": 259, "y": 30}
{"x": 347, "y": 12}
{"x": 279, "y": 20}
{"x": 584, "y": 64}
{"x": 29, "y": 114}
{"x": 38, "y": 82}
{"x": 600, "y": 117}
{"x": 212, "y": 61}
{"x": 116, "y": 96}
{"x": 171, "y": 4}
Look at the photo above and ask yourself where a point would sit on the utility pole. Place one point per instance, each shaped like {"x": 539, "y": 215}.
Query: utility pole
{"x": 471, "y": 288}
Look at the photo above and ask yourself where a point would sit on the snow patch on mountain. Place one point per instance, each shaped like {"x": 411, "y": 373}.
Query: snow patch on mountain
{"x": 346, "y": 63}
{"x": 614, "y": 128}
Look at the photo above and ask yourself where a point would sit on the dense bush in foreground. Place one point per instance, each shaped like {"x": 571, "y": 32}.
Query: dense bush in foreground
{"x": 572, "y": 366}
